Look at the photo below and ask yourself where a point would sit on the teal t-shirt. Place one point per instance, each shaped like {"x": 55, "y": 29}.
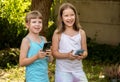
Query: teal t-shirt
{"x": 38, "y": 70}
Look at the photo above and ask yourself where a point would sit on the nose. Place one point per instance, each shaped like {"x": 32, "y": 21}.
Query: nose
{"x": 37, "y": 23}
{"x": 69, "y": 17}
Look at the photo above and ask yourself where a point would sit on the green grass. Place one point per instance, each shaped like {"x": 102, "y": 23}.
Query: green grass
{"x": 17, "y": 74}
{"x": 13, "y": 74}
{"x": 94, "y": 72}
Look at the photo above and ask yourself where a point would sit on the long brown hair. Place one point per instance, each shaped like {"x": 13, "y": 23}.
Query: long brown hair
{"x": 60, "y": 23}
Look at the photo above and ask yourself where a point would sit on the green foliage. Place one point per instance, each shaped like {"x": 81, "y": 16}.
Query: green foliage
{"x": 17, "y": 73}
{"x": 51, "y": 72}
{"x": 103, "y": 53}
{"x": 14, "y": 10}
{"x": 94, "y": 72}
{"x": 11, "y": 34}
{"x": 9, "y": 57}
{"x": 50, "y": 30}
{"x": 12, "y": 13}
{"x": 52, "y": 20}
{"x": 14, "y": 74}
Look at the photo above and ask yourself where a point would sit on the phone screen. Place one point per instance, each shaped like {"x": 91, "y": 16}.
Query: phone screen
{"x": 79, "y": 52}
{"x": 46, "y": 46}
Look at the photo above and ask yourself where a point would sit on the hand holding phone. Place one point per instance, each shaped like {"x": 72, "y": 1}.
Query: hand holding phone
{"x": 78, "y": 52}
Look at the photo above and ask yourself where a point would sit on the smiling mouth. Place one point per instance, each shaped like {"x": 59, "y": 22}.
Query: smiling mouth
{"x": 70, "y": 22}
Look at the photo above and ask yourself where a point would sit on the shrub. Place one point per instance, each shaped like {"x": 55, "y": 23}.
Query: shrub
{"x": 9, "y": 57}
{"x": 12, "y": 14}
{"x": 11, "y": 34}
{"x": 103, "y": 53}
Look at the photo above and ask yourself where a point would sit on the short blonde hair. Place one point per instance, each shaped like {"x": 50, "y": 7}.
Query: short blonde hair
{"x": 33, "y": 15}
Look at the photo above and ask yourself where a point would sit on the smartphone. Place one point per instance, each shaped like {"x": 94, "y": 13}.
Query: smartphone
{"x": 79, "y": 52}
{"x": 46, "y": 46}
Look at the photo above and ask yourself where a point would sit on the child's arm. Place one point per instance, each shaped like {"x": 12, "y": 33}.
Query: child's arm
{"x": 83, "y": 45}
{"x": 23, "y": 60}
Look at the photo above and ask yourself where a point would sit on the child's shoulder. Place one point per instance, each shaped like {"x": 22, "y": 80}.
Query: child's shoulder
{"x": 26, "y": 39}
{"x": 43, "y": 38}
{"x": 25, "y": 42}
{"x": 81, "y": 31}
{"x": 56, "y": 31}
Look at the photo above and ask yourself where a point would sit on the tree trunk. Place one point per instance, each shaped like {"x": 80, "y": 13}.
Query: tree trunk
{"x": 44, "y": 7}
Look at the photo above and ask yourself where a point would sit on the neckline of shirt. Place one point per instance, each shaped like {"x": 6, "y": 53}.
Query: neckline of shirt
{"x": 71, "y": 36}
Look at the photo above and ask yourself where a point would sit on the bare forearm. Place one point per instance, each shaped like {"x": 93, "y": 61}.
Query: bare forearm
{"x": 27, "y": 61}
{"x": 60, "y": 55}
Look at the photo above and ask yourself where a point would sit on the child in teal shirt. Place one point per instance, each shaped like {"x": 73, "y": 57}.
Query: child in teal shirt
{"x": 31, "y": 54}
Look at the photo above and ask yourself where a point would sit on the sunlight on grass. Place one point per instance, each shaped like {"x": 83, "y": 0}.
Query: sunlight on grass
{"x": 14, "y": 74}
{"x": 93, "y": 71}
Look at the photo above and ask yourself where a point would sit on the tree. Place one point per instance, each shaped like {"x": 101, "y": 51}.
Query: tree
{"x": 44, "y": 7}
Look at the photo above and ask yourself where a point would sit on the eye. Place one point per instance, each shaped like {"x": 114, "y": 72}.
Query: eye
{"x": 40, "y": 21}
{"x": 66, "y": 15}
{"x": 72, "y": 14}
{"x": 33, "y": 21}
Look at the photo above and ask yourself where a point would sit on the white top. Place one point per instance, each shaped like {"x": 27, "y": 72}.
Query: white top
{"x": 67, "y": 44}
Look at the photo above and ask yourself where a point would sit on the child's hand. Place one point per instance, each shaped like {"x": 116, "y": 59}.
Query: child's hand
{"x": 81, "y": 56}
{"x": 49, "y": 54}
{"x": 70, "y": 55}
{"x": 41, "y": 54}
{"x": 50, "y": 58}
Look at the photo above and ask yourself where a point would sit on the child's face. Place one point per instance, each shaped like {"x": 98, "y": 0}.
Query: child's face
{"x": 68, "y": 17}
{"x": 35, "y": 25}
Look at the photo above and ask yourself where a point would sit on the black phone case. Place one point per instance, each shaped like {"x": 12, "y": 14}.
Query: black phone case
{"x": 46, "y": 46}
